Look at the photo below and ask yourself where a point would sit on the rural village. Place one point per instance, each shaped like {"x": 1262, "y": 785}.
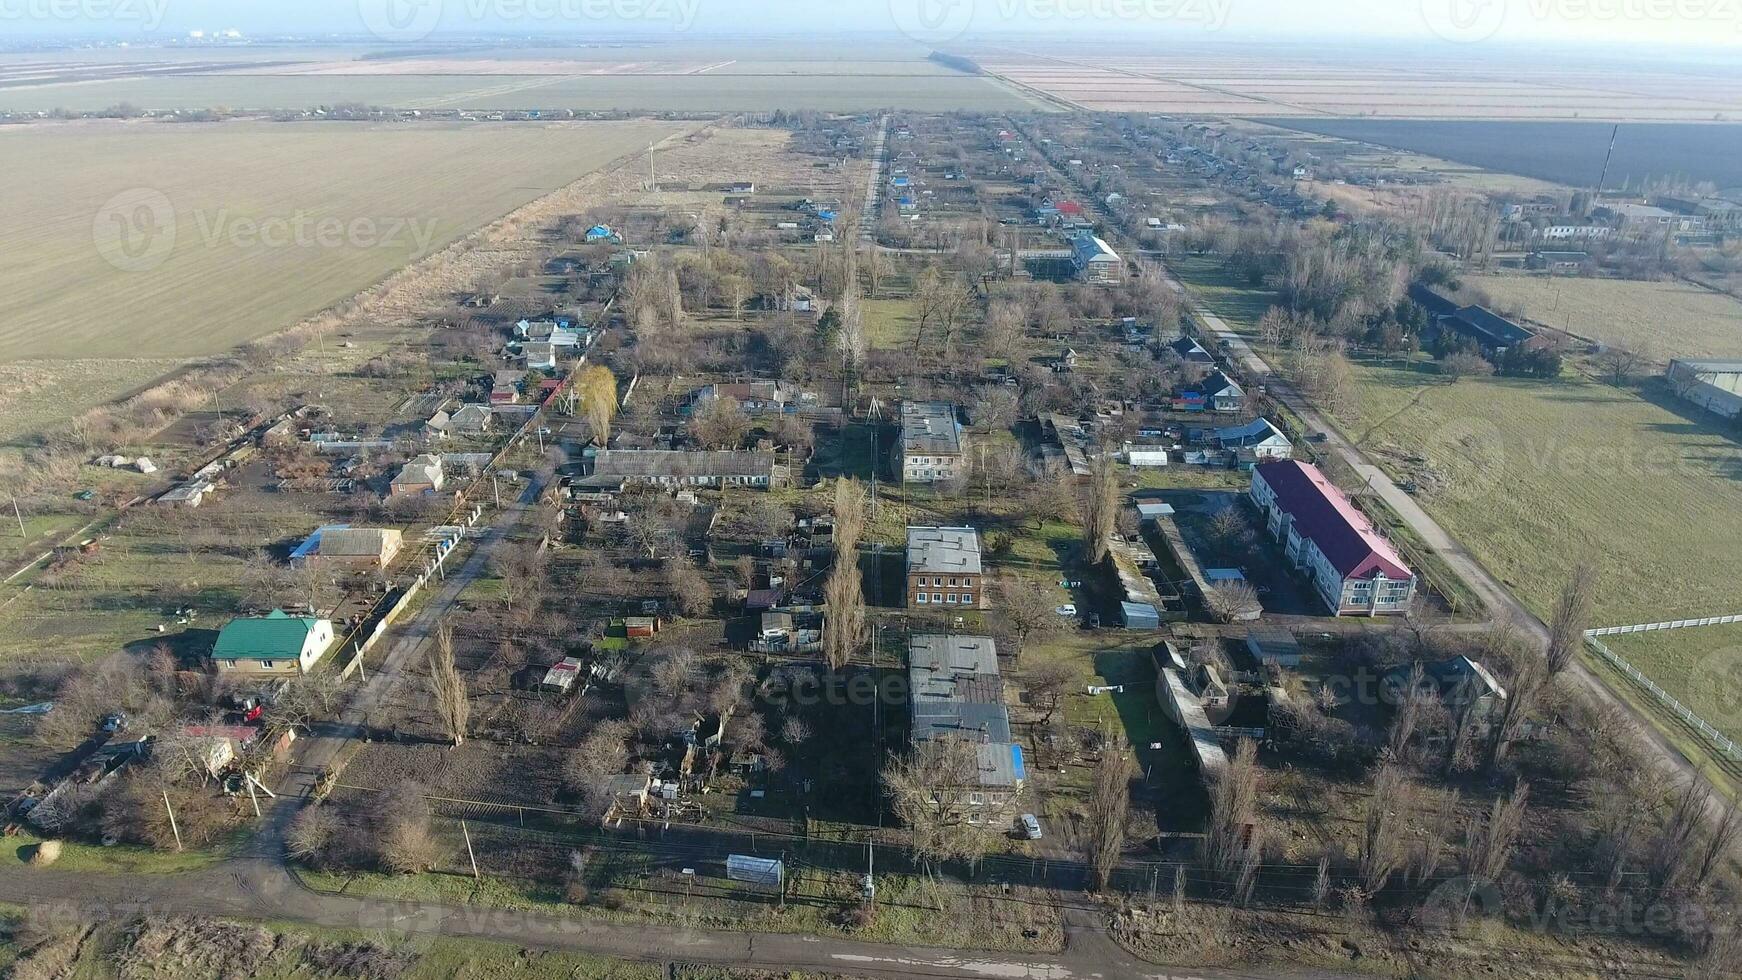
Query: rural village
{"x": 948, "y": 529}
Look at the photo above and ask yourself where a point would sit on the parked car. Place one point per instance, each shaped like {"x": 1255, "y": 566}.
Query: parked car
{"x": 1067, "y": 609}
{"x": 1028, "y": 825}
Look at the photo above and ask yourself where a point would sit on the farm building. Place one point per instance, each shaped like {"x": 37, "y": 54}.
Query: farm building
{"x": 421, "y": 474}
{"x": 357, "y": 548}
{"x": 943, "y": 567}
{"x": 1562, "y": 263}
{"x": 612, "y": 469}
{"x": 1095, "y": 261}
{"x": 1715, "y": 386}
{"x": 1492, "y": 332}
{"x": 932, "y": 446}
{"x": 1353, "y": 568}
{"x": 955, "y": 691}
{"x": 274, "y": 644}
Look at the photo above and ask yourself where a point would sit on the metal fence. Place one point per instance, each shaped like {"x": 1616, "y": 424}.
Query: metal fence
{"x": 1718, "y": 739}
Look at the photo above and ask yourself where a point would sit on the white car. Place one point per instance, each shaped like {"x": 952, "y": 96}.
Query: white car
{"x": 1029, "y": 824}
{"x": 1066, "y": 610}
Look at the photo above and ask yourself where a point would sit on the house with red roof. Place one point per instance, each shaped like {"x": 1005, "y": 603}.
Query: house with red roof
{"x": 1354, "y": 569}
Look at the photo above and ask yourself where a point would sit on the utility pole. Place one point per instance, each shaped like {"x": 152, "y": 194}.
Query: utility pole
{"x": 469, "y": 855}
{"x": 172, "y": 827}
{"x": 20, "y": 517}
{"x": 251, "y": 797}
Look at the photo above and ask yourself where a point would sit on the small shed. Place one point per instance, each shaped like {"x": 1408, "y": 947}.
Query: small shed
{"x": 641, "y": 627}
{"x": 562, "y": 676}
{"x": 1274, "y": 645}
{"x": 1139, "y": 616}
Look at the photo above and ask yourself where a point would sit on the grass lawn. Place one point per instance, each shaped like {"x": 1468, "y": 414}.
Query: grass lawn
{"x": 1540, "y": 476}
{"x": 1670, "y": 318}
{"x": 890, "y": 324}
{"x": 911, "y": 910}
{"x": 1234, "y": 300}
{"x": 122, "y": 858}
{"x": 1708, "y": 661}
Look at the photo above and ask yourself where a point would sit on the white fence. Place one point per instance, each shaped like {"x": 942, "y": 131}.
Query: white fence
{"x": 1678, "y": 624}
{"x": 1718, "y": 739}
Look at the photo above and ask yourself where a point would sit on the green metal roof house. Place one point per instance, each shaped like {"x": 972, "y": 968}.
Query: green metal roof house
{"x": 276, "y": 643}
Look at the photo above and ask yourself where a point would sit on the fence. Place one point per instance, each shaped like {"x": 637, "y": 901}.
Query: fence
{"x": 1718, "y": 739}
{"x": 1677, "y": 624}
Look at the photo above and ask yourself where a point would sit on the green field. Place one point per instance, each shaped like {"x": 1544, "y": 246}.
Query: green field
{"x": 724, "y": 91}
{"x": 1707, "y": 661}
{"x": 1669, "y": 318}
{"x": 224, "y": 233}
{"x": 1544, "y": 475}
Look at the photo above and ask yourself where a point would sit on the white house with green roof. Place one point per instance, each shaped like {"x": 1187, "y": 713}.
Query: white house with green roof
{"x": 274, "y": 644}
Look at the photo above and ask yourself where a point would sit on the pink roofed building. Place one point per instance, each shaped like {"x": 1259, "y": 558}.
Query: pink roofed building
{"x": 1354, "y": 569}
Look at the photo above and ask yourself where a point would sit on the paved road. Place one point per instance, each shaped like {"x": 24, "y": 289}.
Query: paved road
{"x": 259, "y": 889}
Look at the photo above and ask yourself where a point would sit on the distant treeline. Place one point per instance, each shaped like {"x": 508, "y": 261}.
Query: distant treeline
{"x": 965, "y": 65}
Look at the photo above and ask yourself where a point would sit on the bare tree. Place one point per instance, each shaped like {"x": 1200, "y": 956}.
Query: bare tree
{"x": 1047, "y": 682}
{"x": 404, "y": 841}
{"x": 844, "y": 622}
{"x": 1418, "y": 699}
{"x": 933, "y": 792}
{"x": 1101, "y": 514}
{"x": 447, "y": 689}
{"x": 1109, "y": 807}
{"x": 1229, "y": 601}
{"x": 1028, "y": 607}
{"x": 1382, "y": 836}
{"x": 311, "y": 833}
{"x": 1490, "y": 840}
{"x": 597, "y": 390}
{"x": 1572, "y": 614}
{"x": 689, "y": 588}
{"x": 1620, "y": 362}
{"x": 1233, "y": 810}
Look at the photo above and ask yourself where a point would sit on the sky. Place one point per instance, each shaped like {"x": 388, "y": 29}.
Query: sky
{"x": 1625, "y": 23}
